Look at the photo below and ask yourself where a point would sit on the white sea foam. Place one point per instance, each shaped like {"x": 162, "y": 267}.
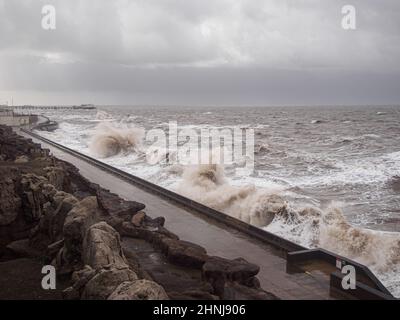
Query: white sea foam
{"x": 257, "y": 200}
{"x": 208, "y": 185}
{"x": 109, "y": 140}
{"x": 313, "y": 227}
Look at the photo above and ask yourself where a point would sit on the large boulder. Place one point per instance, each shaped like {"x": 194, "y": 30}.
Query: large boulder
{"x": 184, "y": 253}
{"x": 10, "y": 202}
{"x": 138, "y": 219}
{"x": 151, "y": 231}
{"x": 218, "y": 271}
{"x": 64, "y": 203}
{"x": 105, "y": 282}
{"x": 81, "y": 277}
{"x": 84, "y": 214}
{"x": 56, "y": 176}
{"x": 102, "y": 247}
{"x": 36, "y": 192}
{"x": 116, "y": 206}
{"x": 51, "y": 224}
{"x": 139, "y": 290}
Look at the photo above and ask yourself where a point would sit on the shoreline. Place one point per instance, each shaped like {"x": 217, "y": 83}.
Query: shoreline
{"x": 121, "y": 229}
{"x": 77, "y": 226}
{"x": 302, "y": 254}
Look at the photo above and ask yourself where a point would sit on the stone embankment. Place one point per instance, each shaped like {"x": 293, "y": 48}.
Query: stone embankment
{"x": 102, "y": 246}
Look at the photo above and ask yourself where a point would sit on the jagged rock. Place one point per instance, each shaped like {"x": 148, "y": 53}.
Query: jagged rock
{"x": 184, "y": 253}
{"x": 114, "y": 205}
{"x": 160, "y": 221}
{"x": 65, "y": 202}
{"x": 10, "y": 202}
{"x": 235, "y": 270}
{"x": 34, "y": 198}
{"x": 138, "y": 218}
{"x": 54, "y": 248}
{"x": 149, "y": 233}
{"x": 21, "y": 159}
{"x": 13, "y": 146}
{"x": 105, "y": 282}
{"x": 114, "y": 222}
{"x": 77, "y": 222}
{"x": 139, "y": 290}
{"x": 129, "y": 230}
{"x": 55, "y": 176}
{"x": 49, "y": 191}
{"x": 49, "y": 208}
{"x": 81, "y": 277}
{"x": 102, "y": 247}
{"x": 51, "y": 223}
{"x": 66, "y": 262}
{"x": 218, "y": 271}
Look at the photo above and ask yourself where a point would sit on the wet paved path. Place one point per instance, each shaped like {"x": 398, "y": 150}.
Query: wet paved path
{"x": 216, "y": 238}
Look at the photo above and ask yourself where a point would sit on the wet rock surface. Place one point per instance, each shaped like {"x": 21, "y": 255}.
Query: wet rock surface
{"x": 103, "y": 247}
{"x": 138, "y": 290}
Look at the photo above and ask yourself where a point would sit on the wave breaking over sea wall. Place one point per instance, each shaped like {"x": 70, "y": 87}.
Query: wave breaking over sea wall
{"x": 309, "y": 189}
{"x": 310, "y": 226}
{"x": 108, "y": 140}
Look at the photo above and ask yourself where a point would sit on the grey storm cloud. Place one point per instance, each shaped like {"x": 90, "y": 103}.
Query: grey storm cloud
{"x": 231, "y": 52}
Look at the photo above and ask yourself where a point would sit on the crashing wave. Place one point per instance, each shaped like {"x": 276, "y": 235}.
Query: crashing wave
{"x": 329, "y": 229}
{"x": 108, "y": 140}
{"x": 311, "y": 227}
{"x": 208, "y": 185}
{"x": 267, "y": 207}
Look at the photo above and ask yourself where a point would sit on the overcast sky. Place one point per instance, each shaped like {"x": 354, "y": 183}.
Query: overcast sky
{"x": 200, "y": 52}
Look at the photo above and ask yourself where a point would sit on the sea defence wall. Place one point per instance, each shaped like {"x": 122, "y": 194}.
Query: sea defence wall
{"x": 44, "y": 124}
{"x": 367, "y": 286}
{"x": 50, "y": 213}
{"x": 17, "y": 120}
{"x": 9, "y": 117}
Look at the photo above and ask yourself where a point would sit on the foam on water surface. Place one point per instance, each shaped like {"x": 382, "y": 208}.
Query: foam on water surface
{"x": 318, "y": 181}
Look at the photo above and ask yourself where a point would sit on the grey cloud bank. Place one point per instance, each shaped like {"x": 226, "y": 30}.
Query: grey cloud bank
{"x": 221, "y": 52}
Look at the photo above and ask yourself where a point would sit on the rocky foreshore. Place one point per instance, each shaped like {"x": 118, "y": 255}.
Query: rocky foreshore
{"x": 102, "y": 246}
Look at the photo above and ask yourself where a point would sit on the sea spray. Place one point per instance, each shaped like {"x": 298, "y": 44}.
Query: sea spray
{"x": 327, "y": 228}
{"x": 208, "y": 185}
{"x": 109, "y": 140}
{"x": 310, "y": 226}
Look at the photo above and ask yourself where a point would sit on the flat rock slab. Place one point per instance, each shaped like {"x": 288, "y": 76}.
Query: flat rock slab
{"x": 179, "y": 282}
